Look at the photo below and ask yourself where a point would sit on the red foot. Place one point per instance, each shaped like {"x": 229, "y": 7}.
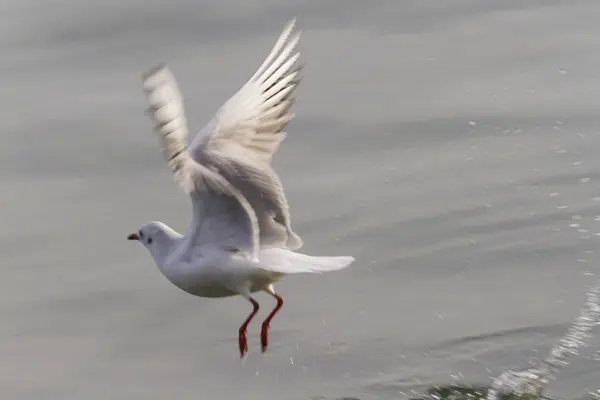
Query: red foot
{"x": 242, "y": 340}
{"x": 264, "y": 338}
{"x": 264, "y": 332}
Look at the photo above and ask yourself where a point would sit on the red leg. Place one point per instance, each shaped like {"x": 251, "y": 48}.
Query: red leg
{"x": 243, "y": 341}
{"x": 264, "y": 332}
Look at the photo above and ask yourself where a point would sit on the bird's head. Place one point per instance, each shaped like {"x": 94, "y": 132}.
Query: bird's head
{"x": 156, "y": 237}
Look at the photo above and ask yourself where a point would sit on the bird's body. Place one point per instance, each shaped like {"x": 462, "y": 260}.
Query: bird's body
{"x": 240, "y": 240}
{"x": 217, "y": 275}
{"x": 205, "y": 271}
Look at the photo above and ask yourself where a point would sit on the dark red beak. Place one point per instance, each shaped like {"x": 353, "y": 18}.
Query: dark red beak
{"x": 133, "y": 236}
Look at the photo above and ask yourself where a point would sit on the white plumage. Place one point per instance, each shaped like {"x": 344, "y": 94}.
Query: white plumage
{"x": 240, "y": 239}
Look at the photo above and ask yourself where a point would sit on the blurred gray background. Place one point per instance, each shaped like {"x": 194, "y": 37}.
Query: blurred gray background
{"x": 451, "y": 146}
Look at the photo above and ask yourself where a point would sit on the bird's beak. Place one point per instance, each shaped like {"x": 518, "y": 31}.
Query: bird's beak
{"x": 133, "y": 236}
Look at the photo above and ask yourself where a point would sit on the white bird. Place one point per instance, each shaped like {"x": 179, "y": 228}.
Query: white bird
{"x": 240, "y": 239}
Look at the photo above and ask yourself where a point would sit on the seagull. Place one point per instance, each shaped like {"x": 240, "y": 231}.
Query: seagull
{"x": 240, "y": 239}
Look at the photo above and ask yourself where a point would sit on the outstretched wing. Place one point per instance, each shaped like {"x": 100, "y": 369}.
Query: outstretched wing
{"x": 246, "y": 131}
{"x": 240, "y": 140}
{"x": 221, "y": 214}
{"x": 250, "y": 124}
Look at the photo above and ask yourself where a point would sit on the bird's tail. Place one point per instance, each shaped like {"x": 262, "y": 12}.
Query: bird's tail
{"x": 289, "y": 262}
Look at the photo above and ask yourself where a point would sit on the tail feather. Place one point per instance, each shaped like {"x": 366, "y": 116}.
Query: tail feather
{"x": 289, "y": 262}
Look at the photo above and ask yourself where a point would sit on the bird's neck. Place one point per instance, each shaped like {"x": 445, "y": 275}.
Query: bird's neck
{"x": 165, "y": 248}
{"x": 167, "y": 260}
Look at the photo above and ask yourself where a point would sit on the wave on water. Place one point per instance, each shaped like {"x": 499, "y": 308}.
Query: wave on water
{"x": 531, "y": 383}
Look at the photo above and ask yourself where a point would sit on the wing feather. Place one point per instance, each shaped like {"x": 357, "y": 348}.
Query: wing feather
{"x": 240, "y": 140}
{"x": 247, "y": 130}
{"x": 222, "y": 216}
{"x": 261, "y": 105}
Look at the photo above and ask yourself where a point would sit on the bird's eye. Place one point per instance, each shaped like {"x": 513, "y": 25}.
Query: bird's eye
{"x": 150, "y": 240}
{"x": 141, "y": 234}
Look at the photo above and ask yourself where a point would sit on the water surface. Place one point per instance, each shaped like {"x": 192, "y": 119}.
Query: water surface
{"x": 450, "y": 146}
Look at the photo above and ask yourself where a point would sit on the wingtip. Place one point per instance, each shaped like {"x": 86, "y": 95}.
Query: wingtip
{"x": 294, "y": 242}
{"x": 291, "y": 23}
{"x": 290, "y": 31}
{"x": 153, "y": 70}
{"x": 155, "y": 75}
{"x": 298, "y": 71}
{"x": 291, "y": 26}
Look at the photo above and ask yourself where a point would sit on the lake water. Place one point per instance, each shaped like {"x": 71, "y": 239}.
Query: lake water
{"x": 451, "y": 146}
